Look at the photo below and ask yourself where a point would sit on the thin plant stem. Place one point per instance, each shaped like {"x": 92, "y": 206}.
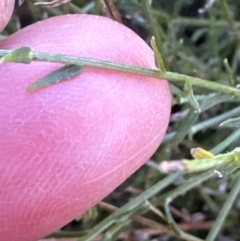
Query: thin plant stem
{"x": 226, "y": 142}
{"x": 111, "y": 219}
{"x": 229, "y": 17}
{"x": 225, "y": 210}
{"x": 156, "y": 28}
{"x": 167, "y": 198}
{"x": 215, "y": 121}
{"x": 86, "y": 62}
{"x": 201, "y": 22}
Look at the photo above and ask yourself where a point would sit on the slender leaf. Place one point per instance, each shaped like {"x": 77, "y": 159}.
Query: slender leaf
{"x": 62, "y": 74}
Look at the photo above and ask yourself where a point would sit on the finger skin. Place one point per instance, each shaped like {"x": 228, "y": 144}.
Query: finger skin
{"x": 65, "y": 147}
{"x": 6, "y": 10}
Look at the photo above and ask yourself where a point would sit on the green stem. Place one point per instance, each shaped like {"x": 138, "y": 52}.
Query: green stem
{"x": 156, "y": 29}
{"x": 215, "y": 121}
{"x": 226, "y": 142}
{"x": 225, "y": 210}
{"x": 201, "y": 22}
{"x": 181, "y": 190}
{"x": 86, "y": 62}
{"x": 229, "y": 17}
{"x": 106, "y": 223}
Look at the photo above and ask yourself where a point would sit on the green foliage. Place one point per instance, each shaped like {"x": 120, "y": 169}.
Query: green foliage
{"x": 199, "y": 47}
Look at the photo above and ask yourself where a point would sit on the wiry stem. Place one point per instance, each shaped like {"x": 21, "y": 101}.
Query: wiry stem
{"x": 86, "y": 62}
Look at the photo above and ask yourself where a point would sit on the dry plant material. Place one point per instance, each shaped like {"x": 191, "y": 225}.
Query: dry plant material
{"x": 111, "y": 10}
{"x": 51, "y": 4}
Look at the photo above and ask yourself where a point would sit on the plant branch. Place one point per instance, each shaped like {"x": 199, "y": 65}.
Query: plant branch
{"x": 171, "y": 76}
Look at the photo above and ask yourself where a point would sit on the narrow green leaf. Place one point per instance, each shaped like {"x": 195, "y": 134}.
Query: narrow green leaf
{"x": 158, "y": 56}
{"x": 210, "y": 101}
{"x": 175, "y": 90}
{"x": 184, "y": 128}
{"x": 229, "y": 72}
{"x": 228, "y": 204}
{"x": 232, "y": 122}
{"x": 192, "y": 100}
{"x": 227, "y": 142}
{"x": 21, "y": 55}
{"x": 62, "y": 74}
